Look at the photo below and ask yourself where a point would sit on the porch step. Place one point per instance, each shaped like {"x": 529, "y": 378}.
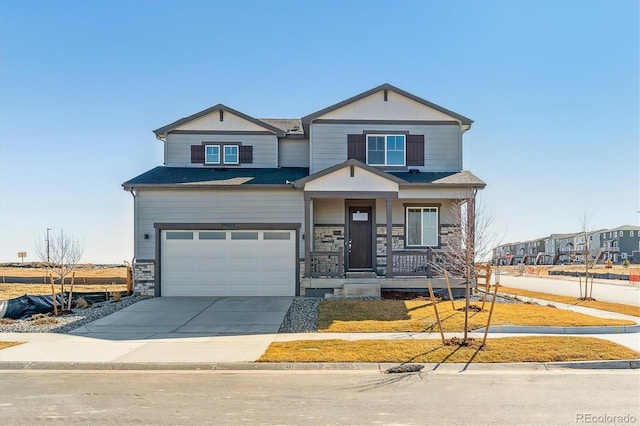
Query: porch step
{"x": 361, "y": 274}
{"x": 356, "y": 290}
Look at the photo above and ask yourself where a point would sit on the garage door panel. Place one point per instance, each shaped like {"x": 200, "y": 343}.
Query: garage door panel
{"x": 228, "y": 263}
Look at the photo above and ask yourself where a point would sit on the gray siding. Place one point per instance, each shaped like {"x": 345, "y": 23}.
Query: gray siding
{"x": 178, "y": 148}
{"x": 442, "y": 151}
{"x": 211, "y": 206}
{"x": 293, "y": 153}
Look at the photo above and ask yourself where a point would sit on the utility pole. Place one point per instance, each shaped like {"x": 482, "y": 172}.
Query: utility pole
{"x": 48, "y": 260}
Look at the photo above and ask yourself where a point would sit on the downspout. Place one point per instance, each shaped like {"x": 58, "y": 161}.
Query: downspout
{"x": 460, "y": 145}
{"x": 135, "y": 225}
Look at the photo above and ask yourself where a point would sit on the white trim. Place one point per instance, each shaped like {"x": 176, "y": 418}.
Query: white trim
{"x": 224, "y": 150}
{"x": 406, "y": 225}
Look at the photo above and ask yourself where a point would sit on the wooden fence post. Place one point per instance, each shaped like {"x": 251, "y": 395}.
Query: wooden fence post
{"x": 446, "y": 280}
{"x": 435, "y": 308}
{"x": 53, "y": 294}
{"x": 493, "y": 302}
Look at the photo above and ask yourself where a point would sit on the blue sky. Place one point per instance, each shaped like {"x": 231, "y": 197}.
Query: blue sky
{"x": 553, "y": 88}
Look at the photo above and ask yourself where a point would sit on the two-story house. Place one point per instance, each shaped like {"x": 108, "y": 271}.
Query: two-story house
{"x": 363, "y": 189}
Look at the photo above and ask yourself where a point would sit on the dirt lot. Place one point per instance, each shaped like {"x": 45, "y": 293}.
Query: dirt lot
{"x": 37, "y": 271}
{"x": 39, "y": 284}
{"x": 544, "y": 269}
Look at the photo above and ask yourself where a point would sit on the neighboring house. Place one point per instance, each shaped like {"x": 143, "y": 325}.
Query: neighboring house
{"x": 618, "y": 244}
{"x": 363, "y": 189}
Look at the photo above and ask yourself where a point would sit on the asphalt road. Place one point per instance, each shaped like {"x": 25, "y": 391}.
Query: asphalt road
{"x": 554, "y": 397}
{"x": 627, "y": 294}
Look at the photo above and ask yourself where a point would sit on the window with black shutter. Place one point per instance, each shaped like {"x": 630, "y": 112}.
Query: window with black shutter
{"x": 221, "y": 154}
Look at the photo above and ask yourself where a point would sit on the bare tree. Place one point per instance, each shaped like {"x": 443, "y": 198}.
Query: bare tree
{"x": 583, "y": 249}
{"x": 466, "y": 243}
{"x": 61, "y": 253}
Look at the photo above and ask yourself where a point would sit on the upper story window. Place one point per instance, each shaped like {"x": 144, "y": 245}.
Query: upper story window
{"x": 386, "y": 150}
{"x": 221, "y": 154}
{"x": 212, "y": 154}
{"x": 231, "y": 154}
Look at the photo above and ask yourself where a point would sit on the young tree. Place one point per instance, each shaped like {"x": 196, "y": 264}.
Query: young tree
{"x": 61, "y": 252}
{"x": 583, "y": 248}
{"x": 468, "y": 242}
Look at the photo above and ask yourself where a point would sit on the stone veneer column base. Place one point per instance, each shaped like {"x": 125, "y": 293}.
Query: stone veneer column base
{"x": 144, "y": 275}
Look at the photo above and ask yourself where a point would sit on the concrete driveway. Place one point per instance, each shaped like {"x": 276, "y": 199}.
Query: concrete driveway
{"x": 183, "y": 317}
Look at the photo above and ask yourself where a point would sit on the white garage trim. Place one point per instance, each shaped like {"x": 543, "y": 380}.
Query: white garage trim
{"x": 227, "y": 259}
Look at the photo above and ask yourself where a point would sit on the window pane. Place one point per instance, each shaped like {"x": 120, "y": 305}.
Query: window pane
{"x": 395, "y": 158}
{"x": 244, "y": 235}
{"x": 375, "y": 149}
{"x": 376, "y": 157}
{"x": 395, "y": 150}
{"x": 430, "y": 227}
{"x": 413, "y": 227}
{"x": 277, "y": 236}
{"x": 179, "y": 235}
{"x": 212, "y": 154}
{"x": 231, "y": 154}
{"x": 213, "y": 235}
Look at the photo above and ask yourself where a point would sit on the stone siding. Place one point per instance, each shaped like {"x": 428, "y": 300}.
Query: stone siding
{"x": 397, "y": 241}
{"x": 328, "y": 237}
{"x": 144, "y": 278}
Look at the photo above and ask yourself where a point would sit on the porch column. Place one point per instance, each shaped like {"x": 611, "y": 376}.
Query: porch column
{"x": 307, "y": 236}
{"x": 389, "y": 237}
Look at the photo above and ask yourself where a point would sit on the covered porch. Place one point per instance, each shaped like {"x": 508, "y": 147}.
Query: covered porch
{"x": 368, "y": 227}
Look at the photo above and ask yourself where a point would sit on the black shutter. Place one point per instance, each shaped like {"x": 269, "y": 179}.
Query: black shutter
{"x": 197, "y": 154}
{"x": 415, "y": 150}
{"x": 357, "y": 147}
{"x": 246, "y": 154}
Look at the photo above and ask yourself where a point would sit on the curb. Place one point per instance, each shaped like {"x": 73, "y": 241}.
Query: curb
{"x": 380, "y": 367}
{"x": 515, "y": 329}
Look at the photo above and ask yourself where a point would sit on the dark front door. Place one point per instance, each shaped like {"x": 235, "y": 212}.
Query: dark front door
{"x": 360, "y": 248}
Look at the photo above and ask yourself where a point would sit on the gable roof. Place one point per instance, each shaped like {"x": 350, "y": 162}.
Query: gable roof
{"x": 162, "y": 131}
{"x": 351, "y": 162}
{"x": 306, "y": 120}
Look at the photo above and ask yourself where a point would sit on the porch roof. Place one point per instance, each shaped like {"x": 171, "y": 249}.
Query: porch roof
{"x": 407, "y": 178}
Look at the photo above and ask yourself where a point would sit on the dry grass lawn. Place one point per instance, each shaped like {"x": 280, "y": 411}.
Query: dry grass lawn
{"x": 418, "y": 316}
{"x": 89, "y": 271}
{"x": 10, "y": 291}
{"x": 605, "y": 306}
{"x": 4, "y": 345}
{"x": 509, "y": 349}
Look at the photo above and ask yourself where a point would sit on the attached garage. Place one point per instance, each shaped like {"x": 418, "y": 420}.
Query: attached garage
{"x": 228, "y": 262}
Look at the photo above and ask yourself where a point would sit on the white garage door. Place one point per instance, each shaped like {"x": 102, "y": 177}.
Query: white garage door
{"x": 228, "y": 263}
